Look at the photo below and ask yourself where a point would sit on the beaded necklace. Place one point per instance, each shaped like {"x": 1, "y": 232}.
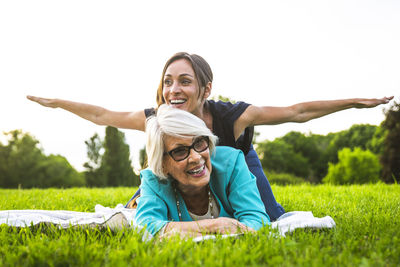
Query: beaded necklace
{"x": 210, "y": 205}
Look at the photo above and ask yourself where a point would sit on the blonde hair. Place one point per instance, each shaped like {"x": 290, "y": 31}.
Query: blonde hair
{"x": 169, "y": 121}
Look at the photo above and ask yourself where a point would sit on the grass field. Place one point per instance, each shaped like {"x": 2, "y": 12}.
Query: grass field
{"x": 367, "y": 232}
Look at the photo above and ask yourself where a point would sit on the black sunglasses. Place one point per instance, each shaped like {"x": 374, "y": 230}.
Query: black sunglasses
{"x": 182, "y": 152}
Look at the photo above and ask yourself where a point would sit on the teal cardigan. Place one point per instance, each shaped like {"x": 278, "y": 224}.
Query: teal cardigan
{"x": 231, "y": 182}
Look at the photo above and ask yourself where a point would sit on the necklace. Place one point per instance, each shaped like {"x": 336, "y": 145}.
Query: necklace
{"x": 210, "y": 204}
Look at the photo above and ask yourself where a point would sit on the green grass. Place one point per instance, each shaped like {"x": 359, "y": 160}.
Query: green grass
{"x": 367, "y": 232}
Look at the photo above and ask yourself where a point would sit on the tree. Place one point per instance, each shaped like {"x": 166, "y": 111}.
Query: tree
{"x": 390, "y": 158}
{"x": 143, "y": 158}
{"x": 376, "y": 144}
{"x": 311, "y": 148}
{"x": 23, "y": 163}
{"x": 280, "y": 157}
{"x": 317, "y": 150}
{"x": 308, "y": 153}
{"x": 93, "y": 174}
{"x": 359, "y": 135}
{"x": 115, "y": 164}
{"x": 56, "y": 171}
{"x": 20, "y": 160}
{"x": 354, "y": 167}
{"x": 223, "y": 99}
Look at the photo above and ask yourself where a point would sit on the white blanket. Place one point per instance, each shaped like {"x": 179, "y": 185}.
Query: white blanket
{"x": 120, "y": 217}
{"x": 293, "y": 220}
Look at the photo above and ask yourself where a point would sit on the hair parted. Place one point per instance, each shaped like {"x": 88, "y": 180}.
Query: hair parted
{"x": 201, "y": 69}
{"x": 169, "y": 121}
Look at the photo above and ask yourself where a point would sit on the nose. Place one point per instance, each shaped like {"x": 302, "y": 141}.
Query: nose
{"x": 194, "y": 156}
{"x": 175, "y": 88}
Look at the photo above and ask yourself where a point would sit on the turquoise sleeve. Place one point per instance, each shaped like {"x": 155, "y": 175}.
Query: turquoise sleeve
{"x": 244, "y": 196}
{"x": 152, "y": 211}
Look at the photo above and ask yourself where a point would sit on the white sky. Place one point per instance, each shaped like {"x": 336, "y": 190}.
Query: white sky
{"x": 111, "y": 53}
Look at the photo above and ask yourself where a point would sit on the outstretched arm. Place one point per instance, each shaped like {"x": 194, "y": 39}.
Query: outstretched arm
{"x": 302, "y": 112}
{"x": 98, "y": 115}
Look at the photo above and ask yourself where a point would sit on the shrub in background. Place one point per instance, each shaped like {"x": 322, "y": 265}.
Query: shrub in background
{"x": 354, "y": 167}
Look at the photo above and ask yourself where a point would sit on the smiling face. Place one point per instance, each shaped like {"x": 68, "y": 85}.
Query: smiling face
{"x": 181, "y": 88}
{"x": 192, "y": 173}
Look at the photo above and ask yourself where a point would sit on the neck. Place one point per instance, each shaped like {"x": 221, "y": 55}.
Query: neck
{"x": 196, "y": 200}
{"x": 204, "y": 114}
{"x": 201, "y": 111}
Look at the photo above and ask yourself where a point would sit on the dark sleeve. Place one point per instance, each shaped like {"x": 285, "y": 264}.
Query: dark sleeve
{"x": 224, "y": 116}
{"x": 149, "y": 112}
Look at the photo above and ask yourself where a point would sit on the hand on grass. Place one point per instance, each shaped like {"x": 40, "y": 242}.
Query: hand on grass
{"x": 220, "y": 225}
{"x": 224, "y": 225}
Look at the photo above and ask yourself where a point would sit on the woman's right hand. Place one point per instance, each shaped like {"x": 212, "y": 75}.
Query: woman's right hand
{"x": 46, "y": 102}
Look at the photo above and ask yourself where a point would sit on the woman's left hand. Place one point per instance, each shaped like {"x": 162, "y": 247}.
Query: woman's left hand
{"x": 372, "y": 102}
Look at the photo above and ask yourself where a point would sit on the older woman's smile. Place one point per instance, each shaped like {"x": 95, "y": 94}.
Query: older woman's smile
{"x": 198, "y": 171}
{"x": 192, "y": 172}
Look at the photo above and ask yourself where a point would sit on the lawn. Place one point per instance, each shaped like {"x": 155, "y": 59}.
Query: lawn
{"x": 367, "y": 232}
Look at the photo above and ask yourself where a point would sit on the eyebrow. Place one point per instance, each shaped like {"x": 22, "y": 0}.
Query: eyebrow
{"x": 180, "y": 144}
{"x": 181, "y": 75}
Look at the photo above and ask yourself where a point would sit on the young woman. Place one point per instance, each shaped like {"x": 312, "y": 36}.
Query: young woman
{"x": 186, "y": 83}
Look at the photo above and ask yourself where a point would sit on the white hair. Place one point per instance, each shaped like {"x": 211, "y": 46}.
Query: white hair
{"x": 173, "y": 122}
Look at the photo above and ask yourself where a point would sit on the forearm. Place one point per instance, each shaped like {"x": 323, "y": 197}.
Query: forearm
{"x": 311, "y": 110}
{"x": 193, "y": 228}
{"x": 221, "y": 225}
{"x": 89, "y": 112}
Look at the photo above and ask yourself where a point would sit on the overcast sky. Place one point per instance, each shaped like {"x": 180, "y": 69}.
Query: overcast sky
{"x": 111, "y": 53}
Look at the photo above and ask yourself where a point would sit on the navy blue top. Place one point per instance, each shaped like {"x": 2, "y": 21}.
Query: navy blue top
{"x": 224, "y": 116}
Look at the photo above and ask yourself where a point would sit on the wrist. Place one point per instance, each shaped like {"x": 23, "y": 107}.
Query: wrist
{"x": 55, "y": 102}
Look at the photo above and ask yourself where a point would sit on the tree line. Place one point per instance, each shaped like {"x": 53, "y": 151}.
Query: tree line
{"x": 23, "y": 163}
{"x": 361, "y": 154}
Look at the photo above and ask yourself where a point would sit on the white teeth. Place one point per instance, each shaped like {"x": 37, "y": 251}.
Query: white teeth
{"x": 197, "y": 170}
{"x": 177, "y": 101}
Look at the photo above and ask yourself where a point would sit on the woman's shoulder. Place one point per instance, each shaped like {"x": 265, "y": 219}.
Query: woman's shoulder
{"x": 226, "y": 151}
{"x": 225, "y": 108}
{"x": 148, "y": 178}
{"x": 226, "y": 156}
{"x": 149, "y": 112}
{"x": 226, "y": 161}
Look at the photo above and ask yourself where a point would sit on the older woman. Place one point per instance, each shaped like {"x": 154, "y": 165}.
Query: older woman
{"x": 191, "y": 186}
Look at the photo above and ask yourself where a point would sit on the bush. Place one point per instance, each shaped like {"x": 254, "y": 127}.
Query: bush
{"x": 354, "y": 167}
{"x": 284, "y": 179}
{"x": 278, "y": 156}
